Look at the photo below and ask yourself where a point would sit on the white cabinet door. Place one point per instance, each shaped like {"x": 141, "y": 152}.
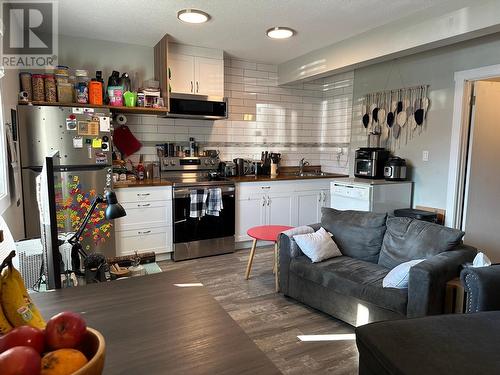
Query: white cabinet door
{"x": 309, "y": 205}
{"x": 158, "y": 240}
{"x": 249, "y": 213}
{"x": 209, "y": 76}
{"x": 182, "y": 73}
{"x": 280, "y": 209}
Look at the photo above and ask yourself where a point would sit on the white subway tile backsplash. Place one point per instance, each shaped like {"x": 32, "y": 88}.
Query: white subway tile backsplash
{"x": 298, "y": 120}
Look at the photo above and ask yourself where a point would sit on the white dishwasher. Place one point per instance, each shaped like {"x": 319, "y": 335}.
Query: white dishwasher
{"x": 370, "y": 195}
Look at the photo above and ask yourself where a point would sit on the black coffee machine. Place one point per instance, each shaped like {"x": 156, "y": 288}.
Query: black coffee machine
{"x": 370, "y": 161}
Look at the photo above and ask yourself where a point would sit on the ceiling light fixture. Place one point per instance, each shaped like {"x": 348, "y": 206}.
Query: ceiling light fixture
{"x": 192, "y": 16}
{"x": 279, "y": 32}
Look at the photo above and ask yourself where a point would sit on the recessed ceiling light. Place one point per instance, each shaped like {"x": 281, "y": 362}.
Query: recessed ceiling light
{"x": 279, "y": 32}
{"x": 192, "y": 16}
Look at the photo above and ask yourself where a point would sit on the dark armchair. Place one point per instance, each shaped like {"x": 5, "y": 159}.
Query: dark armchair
{"x": 482, "y": 286}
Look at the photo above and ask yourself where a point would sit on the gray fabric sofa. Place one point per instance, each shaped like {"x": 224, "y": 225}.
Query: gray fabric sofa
{"x": 349, "y": 287}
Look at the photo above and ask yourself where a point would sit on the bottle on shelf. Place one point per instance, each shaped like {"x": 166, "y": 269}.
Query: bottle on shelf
{"x": 141, "y": 171}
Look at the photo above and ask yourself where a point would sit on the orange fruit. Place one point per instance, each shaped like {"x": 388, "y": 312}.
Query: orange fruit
{"x": 62, "y": 362}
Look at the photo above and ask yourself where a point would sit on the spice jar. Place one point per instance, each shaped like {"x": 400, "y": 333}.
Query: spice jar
{"x": 50, "y": 89}
{"x": 95, "y": 92}
{"x": 25, "y": 79}
{"x": 38, "y": 87}
{"x": 81, "y": 86}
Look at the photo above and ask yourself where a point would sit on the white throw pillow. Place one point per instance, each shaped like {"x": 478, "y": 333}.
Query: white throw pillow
{"x": 399, "y": 275}
{"x": 318, "y": 246}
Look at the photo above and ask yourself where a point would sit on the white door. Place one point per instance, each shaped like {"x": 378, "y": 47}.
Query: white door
{"x": 182, "y": 73}
{"x": 209, "y": 76}
{"x": 279, "y": 209}
{"x": 308, "y": 207}
{"x": 249, "y": 213}
{"x": 481, "y": 221}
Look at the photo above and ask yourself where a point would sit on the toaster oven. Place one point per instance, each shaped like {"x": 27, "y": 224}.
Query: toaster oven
{"x": 370, "y": 161}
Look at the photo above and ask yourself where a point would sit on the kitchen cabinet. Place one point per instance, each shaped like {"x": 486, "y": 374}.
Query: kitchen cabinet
{"x": 161, "y": 69}
{"x": 196, "y": 70}
{"x": 291, "y": 203}
{"x": 148, "y": 224}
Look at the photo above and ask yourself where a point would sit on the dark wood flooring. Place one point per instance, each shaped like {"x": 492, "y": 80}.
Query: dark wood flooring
{"x": 271, "y": 320}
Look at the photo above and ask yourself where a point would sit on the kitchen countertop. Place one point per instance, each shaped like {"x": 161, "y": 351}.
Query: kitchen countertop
{"x": 136, "y": 183}
{"x": 283, "y": 177}
{"x": 249, "y": 178}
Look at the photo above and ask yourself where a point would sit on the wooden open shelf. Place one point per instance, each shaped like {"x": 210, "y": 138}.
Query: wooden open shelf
{"x": 131, "y": 110}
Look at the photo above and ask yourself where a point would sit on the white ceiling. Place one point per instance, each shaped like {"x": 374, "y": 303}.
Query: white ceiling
{"x": 237, "y": 26}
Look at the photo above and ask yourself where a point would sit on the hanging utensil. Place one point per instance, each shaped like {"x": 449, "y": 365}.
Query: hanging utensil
{"x": 390, "y": 114}
{"x": 399, "y": 107}
{"x": 425, "y": 102}
{"x": 366, "y": 117}
{"x": 419, "y": 113}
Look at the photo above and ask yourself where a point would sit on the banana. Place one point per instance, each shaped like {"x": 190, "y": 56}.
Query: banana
{"x": 16, "y": 302}
{"x": 5, "y": 326}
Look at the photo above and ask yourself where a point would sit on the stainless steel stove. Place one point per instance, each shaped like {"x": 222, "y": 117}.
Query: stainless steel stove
{"x": 207, "y": 235}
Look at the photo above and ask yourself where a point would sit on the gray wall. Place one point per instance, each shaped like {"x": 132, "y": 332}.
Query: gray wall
{"x": 435, "y": 68}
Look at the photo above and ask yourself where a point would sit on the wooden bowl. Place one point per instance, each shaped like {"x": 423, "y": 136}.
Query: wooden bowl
{"x": 94, "y": 348}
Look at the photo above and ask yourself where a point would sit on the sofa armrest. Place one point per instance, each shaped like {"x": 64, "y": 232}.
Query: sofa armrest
{"x": 427, "y": 282}
{"x": 288, "y": 249}
{"x": 482, "y": 285}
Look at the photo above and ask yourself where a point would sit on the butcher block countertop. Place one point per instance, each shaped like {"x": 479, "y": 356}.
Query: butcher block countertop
{"x": 143, "y": 183}
{"x": 249, "y": 178}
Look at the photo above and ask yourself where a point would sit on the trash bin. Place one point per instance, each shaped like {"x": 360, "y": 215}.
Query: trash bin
{"x": 413, "y": 213}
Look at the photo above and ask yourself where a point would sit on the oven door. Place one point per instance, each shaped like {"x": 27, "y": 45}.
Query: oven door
{"x": 364, "y": 168}
{"x": 188, "y": 229}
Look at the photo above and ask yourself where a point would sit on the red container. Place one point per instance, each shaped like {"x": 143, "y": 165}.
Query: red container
{"x": 95, "y": 92}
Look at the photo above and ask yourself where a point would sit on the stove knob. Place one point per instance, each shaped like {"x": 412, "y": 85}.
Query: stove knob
{"x": 206, "y": 162}
{"x": 212, "y": 161}
{"x": 172, "y": 162}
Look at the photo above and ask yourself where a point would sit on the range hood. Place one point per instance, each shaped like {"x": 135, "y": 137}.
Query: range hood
{"x": 200, "y": 107}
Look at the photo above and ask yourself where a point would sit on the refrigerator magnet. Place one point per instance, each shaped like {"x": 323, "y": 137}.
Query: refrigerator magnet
{"x": 77, "y": 110}
{"x": 83, "y": 128}
{"x": 70, "y": 124}
{"x": 96, "y": 143}
{"x": 101, "y": 158}
{"x": 93, "y": 128}
{"x": 77, "y": 142}
{"x": 104, "y": 124}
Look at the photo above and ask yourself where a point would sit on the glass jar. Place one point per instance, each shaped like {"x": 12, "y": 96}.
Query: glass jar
{"x": 38, "y": 87}
{"x": 65, "y": 92}
{"x": 25, "y": 79}
{"x": 50, "y": 89}
{"x": 81, "y": 86}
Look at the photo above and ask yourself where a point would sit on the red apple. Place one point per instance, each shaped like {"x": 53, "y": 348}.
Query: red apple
{"x": 20, "y": 360}
{"x": 65, "y": 330}
{"x": 23, "y": 336}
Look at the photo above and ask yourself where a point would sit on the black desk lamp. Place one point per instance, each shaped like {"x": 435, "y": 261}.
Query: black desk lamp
{"x": 113, "y": 211}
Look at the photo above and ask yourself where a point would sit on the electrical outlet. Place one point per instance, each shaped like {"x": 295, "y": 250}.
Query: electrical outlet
{"x": 425, "y": 155}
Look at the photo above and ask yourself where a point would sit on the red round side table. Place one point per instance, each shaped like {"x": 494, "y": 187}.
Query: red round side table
{"x": 266, "y": 233}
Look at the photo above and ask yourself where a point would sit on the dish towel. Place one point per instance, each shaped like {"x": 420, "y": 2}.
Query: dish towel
{"x": 198, "y": 204}
{"x": 214, "y": 206}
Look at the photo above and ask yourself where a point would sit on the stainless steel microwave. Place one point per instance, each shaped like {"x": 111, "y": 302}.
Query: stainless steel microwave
{"x": 198, "y": 107}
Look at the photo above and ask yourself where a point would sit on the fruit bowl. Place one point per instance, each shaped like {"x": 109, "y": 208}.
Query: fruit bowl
{"x": 94, "y": 348}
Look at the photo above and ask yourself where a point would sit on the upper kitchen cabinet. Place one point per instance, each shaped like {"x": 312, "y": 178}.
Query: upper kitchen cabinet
{"x": 196, "y": 70}
{"x": 161, "y": 69}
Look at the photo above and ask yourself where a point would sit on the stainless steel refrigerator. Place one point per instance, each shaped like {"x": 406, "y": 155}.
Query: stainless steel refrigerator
{"x": 83, "y": 138}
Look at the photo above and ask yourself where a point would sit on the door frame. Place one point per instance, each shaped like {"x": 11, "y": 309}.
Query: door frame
{"x": 458, "y": 147}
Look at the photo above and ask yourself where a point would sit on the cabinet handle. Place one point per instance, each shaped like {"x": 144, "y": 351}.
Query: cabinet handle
{"x": 324, "y": 197}
{"x": 145, "y": 232}
{"x": 144, "y": 205}
{"x": 263, "y": 201}
{"x": 143, "y": 194}
{"x": 266, "y": 187}
{"x": 320, "y": 198}
{"x": 268, "y": 200}
{"x": 191, "y": 86}
{"x": 197, "y": 86}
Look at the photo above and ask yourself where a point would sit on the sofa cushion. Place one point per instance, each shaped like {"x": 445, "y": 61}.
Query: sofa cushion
{"x": 408, "y": 239}
{"x": 352, "y": 277}
{"x": 317, "y": 246}
{"x": 357, "y": 234}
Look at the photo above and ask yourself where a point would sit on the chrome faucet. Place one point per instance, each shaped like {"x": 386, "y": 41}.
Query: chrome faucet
{"x": 302, "y": 164}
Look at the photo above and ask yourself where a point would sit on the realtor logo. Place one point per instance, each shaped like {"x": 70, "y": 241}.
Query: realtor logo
{"x": 30, "y": 34}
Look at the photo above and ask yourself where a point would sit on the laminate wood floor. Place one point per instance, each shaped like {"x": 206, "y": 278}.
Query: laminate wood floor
{"x": 271, "y": 320}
